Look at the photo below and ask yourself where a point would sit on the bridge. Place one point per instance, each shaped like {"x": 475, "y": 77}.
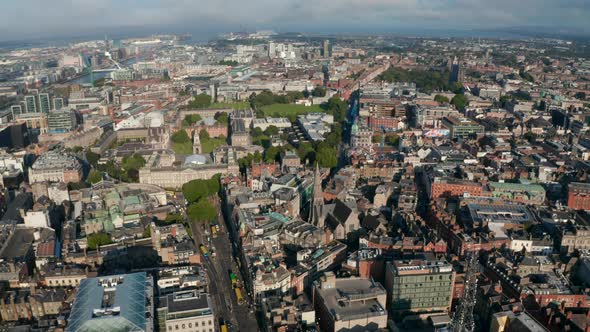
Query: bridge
{"x": 104, "y": 70}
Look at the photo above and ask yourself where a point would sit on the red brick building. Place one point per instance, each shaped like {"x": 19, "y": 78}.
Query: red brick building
{"x": 448, "y": 187}
{"x": 578, "y": 196}
{"x": 378, "y": 123}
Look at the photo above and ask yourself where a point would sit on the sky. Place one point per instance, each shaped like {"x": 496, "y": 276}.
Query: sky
{"x": 36, "y": 19}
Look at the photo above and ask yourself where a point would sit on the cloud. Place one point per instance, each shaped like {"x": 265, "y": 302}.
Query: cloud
{"x": 70, "y": 17}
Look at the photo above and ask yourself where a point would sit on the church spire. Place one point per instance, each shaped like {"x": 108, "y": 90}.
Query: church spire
{"x": 317, "y": 203}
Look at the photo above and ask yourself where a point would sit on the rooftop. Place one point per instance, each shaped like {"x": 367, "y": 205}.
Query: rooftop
{"x": 351, "y": 299}
{"x": 113, "y": 303}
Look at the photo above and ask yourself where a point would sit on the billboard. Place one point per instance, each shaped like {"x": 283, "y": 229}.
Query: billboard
{"x": 438, "y": 133}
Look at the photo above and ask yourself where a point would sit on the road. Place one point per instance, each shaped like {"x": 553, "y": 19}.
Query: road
{"x": 218, "y": 268}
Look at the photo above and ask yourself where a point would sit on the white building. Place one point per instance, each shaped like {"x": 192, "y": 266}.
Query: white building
{"x": 36, "y": 219}
{"x": 186, "y": 311}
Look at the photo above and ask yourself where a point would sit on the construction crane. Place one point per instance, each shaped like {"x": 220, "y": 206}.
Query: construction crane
{"x": 463, "y": 318}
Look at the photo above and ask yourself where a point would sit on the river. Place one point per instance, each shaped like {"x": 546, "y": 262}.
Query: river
{"x": 86, "y": 79}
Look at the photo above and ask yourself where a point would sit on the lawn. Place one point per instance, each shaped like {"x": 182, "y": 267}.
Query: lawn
{"x": 183, "y": 148}
{"x": 290, "y": 110}
{"x": 235, "y": 105}
{"x": 207, "y": 145}
{"x": 211, "y": 144}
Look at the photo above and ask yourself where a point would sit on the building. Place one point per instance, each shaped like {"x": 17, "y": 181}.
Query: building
{"x": 509, "y": 321}
{"x": 451, "y": 187}
{"x": 61, "y": 121}
{"x": 462, "y": 127}
{"x": 240, "y": 135}
{"x": 419, "y": 286}
{"x": 361, "y": 136}
{"x": 349, "y": 304}
{"x": 522, "y": 193}
{"x": 44, "y": 103}
{"x": 189, "y": 311}
{"x": 326, "y": 49}
{"x": 58, "y": 103}
{"x": 30, "y": 104}
{"x": 55, "y": 166}
{"x": 315, "y": 125}
{"x": 264, "y": 123}
{"x": 14, "y": 136}
{"x": 578, "y": 196}
{"x": 114, "y": 303}
{"x": 175, "y": 177}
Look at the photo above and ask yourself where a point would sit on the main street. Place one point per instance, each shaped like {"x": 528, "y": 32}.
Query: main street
{"x": 218, "y": 267}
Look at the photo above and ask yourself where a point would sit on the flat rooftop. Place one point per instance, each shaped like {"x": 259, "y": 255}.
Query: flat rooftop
{"x": 353, "y": 299}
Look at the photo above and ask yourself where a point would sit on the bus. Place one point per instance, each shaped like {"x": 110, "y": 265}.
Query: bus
{"x": 233, "y": 278}
{"x": 222, "y": 325}
{"x": 204, "y": 250}
{"x": 239, "y": 296}
{"x": 214, "y": 231}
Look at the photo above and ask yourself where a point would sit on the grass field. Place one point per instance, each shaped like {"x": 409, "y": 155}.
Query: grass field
{"x": 183, "y": 148}
{"x": 211, "y": 144}
{"x": 289, "y": 110}
{"x": 234, "y": 105}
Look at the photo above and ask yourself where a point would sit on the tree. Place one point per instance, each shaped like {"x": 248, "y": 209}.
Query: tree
{"x": 326, "y": 155}
{"x": 201, "y": 210}
{"x": 94, "y": 176}
{"x": 305, "y": 152}
{"x": 441, "y": 99}
{"x": 456, "y": 87}
{"x": 204, "y": 135}
{"x": 335, "y": 136}
{"x": 147, "y": 232}
{"x": 246, "y": 161}
{"x": 426, "y": 80}
{"x": 295, "y": 95}
{"x": 460, "y": 102}
{"x": 191, "y": 119}
{"x": 134, "y": 162}
{"x": 173, "y": 218}
{"x": 318, "y": 91}
{"x": 202, "y": 100}
{"x": 180, "y": 137}
{"x": 526, "y": 76}
{"x": 92, "y": 158}
{"x": 257, "y": 132}
{"x": 580, "y": 95}
{"x": 222, "y": 118}
{"x": 272, "y": 154}
{"x": 392, "y": 140}
{"x": 337, "y": 107}
{"x": 197, "y": 189}
{"x": 228, "y": 63}
{"x": 271, "y": 130}
{"x": 530, "y": 136}
{"x": 98, "y": 239}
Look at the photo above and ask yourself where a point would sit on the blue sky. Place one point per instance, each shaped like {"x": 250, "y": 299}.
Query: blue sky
{"x": 24, "y": 19}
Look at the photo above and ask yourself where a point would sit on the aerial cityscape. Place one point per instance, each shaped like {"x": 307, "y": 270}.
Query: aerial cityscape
{"x": 269, "y": 176}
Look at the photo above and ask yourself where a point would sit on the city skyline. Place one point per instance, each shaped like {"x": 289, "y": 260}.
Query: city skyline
{"x": 32, "y": 19}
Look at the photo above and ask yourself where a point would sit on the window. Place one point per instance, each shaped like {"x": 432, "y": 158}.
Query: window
{"x": 190, "y": 325}
{"x": 203, "y": 323}
{"x": 210, "y": 322}
{"x": 183, "y": 326}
